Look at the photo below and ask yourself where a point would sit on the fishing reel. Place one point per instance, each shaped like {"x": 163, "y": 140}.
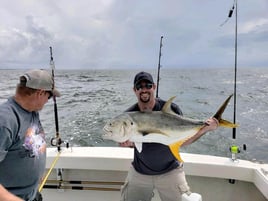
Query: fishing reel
{"x": 234, "y": 149}
{"x": 57, "y": 142}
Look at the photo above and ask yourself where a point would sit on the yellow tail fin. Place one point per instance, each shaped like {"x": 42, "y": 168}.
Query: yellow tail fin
{"x": 218, "y": 115}
{"x": 227, "y": 124}
{"x": 175, "y": 149}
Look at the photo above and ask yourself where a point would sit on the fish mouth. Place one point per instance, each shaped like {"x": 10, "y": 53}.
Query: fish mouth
{"x": 105, "y": 129}
{"x": 107, "y": 132}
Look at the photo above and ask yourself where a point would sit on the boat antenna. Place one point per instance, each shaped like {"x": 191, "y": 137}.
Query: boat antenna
{"x": 159, "y": 66}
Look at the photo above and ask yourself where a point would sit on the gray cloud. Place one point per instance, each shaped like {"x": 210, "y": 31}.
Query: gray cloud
{"x": 126, "y": 33}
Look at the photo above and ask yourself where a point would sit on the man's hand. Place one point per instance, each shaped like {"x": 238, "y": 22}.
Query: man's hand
{"x": 7, "y": 196}
{"x": 126, "y": 144}
{"x": 211, "y": 124}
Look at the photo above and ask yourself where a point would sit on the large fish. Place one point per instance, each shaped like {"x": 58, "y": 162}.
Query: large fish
{"x": 163, "y": 126}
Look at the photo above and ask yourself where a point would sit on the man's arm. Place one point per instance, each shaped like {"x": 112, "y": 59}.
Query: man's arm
{"x": 211, "y": 124}
{"x": 7, "y": 196}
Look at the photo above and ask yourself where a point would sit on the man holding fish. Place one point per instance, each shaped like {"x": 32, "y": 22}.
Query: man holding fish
{"x": 148, "y": 127}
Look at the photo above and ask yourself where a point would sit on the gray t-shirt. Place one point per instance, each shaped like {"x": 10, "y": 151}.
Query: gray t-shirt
{"x": 22, "y": 150}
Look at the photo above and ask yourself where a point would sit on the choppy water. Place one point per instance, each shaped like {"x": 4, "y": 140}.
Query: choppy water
{"x": 91, "y": 97}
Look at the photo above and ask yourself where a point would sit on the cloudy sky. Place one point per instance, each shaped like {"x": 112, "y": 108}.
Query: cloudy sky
{"x": 96, "y": 34}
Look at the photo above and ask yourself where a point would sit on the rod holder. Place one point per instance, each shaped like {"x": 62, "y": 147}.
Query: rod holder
{"x": 235, "y": 150}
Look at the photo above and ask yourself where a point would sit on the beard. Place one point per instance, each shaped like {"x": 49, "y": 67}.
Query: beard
{"x": 145, "y": 97}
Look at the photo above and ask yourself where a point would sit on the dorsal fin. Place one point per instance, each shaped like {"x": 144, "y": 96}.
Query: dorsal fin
{"x": 167, "y": 107}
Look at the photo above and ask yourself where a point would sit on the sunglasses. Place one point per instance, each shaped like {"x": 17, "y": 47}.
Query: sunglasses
{"x": 50, "y": 94}
{"x": 140, "y": 86}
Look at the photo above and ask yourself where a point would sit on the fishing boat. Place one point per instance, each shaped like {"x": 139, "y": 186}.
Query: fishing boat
{"x": 97, "y": 173}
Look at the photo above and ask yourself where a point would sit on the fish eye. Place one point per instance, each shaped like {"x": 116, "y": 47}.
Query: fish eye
{"x": 131, "y": 123}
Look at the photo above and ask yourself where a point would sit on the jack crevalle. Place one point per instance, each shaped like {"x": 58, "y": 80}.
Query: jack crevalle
{"x": 165, "y": 127}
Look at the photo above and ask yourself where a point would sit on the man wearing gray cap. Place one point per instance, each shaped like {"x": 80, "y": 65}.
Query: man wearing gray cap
{"x": 22, "y": 137}
{"x": 155, "y": 167}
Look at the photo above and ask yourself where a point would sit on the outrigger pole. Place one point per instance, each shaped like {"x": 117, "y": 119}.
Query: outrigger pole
{"x": 159, "y": 66}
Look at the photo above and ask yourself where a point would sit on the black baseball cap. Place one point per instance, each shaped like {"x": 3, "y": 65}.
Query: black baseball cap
{"x": 143, "y": 76}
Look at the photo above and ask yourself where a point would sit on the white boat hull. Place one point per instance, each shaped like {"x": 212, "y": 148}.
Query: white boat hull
{"x": 97, "y": 173}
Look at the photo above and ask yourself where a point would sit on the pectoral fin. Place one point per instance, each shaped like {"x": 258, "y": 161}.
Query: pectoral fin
{"x": 138, "y": 145}
{"x": 175, "y": 148}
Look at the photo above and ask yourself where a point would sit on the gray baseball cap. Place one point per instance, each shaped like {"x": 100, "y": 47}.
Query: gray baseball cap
{"x": 40, "y": 79}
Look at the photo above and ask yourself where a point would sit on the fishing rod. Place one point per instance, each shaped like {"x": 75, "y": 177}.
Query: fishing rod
{"x": 57, "y": 137}
{"x": 235, "y": 73}
{"x": 159, "y": 66}
{"x": 55, "y": 141}
{"x": 234, "y": 148}
{"x": 231, "y": 11}
{"x": 234, "y": 8}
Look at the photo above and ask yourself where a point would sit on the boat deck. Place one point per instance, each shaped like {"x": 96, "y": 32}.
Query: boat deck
{"x": 97, "y": 173}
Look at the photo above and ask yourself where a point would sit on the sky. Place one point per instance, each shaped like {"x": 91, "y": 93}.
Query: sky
{"x": 125, "y": 34}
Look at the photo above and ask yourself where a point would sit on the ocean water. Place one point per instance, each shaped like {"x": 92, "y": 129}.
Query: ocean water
{"x": 91, "y": 97}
